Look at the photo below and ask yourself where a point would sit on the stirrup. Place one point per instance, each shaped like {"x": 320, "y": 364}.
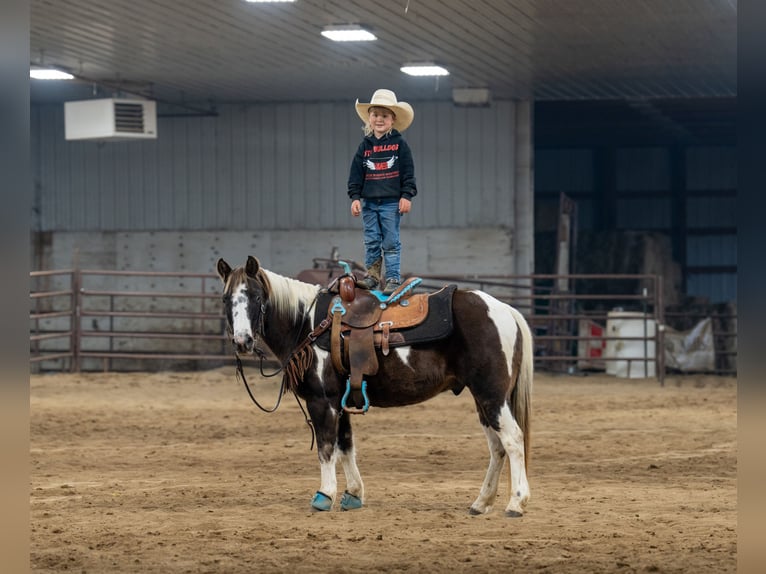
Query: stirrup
{"x": 354, "y": 410}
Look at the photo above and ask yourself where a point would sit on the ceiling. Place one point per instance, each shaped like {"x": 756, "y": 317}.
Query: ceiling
{"x": 204, "y": 52}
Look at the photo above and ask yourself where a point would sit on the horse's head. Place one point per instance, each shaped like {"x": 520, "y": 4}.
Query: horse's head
{"x": 244, "y": 300}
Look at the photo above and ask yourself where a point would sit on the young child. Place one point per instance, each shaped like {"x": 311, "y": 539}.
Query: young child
{"x": 381, "y": 185}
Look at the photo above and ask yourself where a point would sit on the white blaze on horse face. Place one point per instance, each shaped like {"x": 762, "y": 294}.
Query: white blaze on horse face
{"x": 501, "y": 316}
{"x": 240, "y": 317}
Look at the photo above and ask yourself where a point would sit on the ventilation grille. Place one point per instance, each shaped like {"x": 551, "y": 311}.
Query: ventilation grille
{"x": 129, "y": 117}
{"x": 110, "y": 119}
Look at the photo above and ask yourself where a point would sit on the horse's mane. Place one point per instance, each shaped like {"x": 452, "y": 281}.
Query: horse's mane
{"x": 290, "y": 297}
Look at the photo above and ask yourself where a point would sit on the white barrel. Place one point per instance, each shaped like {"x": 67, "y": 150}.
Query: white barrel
{"x": 631, "y": 354}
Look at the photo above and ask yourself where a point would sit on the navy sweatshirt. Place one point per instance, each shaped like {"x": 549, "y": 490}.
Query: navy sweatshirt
{"x": 382, "y": 169}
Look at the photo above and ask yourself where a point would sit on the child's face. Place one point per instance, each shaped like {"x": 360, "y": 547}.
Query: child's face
{"x": 381, "y": 121}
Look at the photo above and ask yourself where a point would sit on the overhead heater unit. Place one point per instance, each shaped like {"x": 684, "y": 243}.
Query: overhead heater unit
{"x": 110, "y": 119}
{"x": 471, "y": 97}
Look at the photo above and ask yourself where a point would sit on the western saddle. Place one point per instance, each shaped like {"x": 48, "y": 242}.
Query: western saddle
{"x": 363, "y": 321}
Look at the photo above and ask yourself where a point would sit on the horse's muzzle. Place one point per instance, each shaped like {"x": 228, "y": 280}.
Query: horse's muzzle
{"x": 243, "y": 343}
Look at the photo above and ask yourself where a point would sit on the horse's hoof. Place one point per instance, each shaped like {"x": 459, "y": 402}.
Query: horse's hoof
{"x": 473, "y": 512}
{"x": 321, "y": 502}
{"x": 513, "y": 514}
{"x": 350, "y": 502}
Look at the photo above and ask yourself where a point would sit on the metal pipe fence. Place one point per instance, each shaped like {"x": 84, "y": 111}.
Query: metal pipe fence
{"x": 556, "y": 310}
{"x": 85, "y": 319}
{"x": 117, "y": 319}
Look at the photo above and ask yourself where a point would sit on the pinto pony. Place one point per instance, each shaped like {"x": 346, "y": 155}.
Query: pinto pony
{"x": 488, "y": 351}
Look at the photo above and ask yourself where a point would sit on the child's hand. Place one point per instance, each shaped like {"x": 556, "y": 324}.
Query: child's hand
{"x": 356, "y": 208}
{"x": 404, "y": 205}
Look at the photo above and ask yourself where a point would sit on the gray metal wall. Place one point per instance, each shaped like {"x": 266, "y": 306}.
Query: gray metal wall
{"x": 262, "y": 167}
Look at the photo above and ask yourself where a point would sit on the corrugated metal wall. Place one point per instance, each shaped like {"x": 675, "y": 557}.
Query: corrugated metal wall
{"x": 644, "y": 193}
{"x": 711, "y": 218}
{"x": 643, "y": 188}
{"x": 284, "y": 167}
{"x": 278, "y": 166}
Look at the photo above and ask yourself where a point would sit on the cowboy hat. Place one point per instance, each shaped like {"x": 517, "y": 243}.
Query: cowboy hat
{"x": 387, "y": 99}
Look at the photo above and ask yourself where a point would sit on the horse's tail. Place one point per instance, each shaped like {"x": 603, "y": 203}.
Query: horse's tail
{"x": 521, "y": 396}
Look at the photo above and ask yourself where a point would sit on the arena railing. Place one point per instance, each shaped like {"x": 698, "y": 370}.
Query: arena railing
{"x": 52, "y": 336}
{"x": 559, "y": 310}
{"x": 83, "y": 319}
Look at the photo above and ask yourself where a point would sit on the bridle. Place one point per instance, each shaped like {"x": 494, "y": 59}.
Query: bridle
{"x": 290, "y": 367}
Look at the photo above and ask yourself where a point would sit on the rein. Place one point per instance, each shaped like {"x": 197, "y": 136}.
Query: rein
{"x": 294, "y": 368}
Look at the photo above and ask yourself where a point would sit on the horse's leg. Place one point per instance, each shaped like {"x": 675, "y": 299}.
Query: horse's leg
{"x": 512, "y": 438}
{"x": 325, "y": 421}
{"x": 502, "y": 395}
{"x": 509, "y": 440}
{"x": 488, "y": 492}
{"x": 353, "y": 498}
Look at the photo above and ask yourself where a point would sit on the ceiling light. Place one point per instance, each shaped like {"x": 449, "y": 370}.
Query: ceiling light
{"x": 348, "y": 33}
{"x": 265, "y": 1}
{"x": 49, "y": 74}
{"x": 424, "y": 69}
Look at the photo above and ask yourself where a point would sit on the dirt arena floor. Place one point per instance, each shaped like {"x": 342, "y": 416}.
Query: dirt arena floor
{"x": 179, "y": 472}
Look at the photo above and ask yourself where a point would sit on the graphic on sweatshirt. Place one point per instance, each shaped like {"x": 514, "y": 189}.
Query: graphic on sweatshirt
{"x": 378, "y": 164}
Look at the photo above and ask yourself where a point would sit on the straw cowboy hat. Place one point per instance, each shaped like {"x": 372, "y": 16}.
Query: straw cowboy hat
{"x": 387, "y": 99}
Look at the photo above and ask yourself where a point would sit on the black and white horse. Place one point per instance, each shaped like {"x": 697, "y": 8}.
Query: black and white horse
{"x": 489, "y": 352}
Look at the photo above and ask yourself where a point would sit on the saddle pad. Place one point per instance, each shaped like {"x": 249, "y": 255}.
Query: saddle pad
{"x": 437, "y": 325}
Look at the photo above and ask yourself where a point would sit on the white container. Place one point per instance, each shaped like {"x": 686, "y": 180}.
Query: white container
{"x": 636, "y": 358}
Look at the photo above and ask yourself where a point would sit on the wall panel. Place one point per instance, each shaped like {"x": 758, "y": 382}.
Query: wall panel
{"x": 271, "y": 166}
{"x": 699, "y": 210}
{"x": 568, "y": 170}
{"x": 642, "y": 169}
{"x": 711, "y": 168}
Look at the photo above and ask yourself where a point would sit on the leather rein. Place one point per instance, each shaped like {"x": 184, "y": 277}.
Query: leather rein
{"x": 289, "y": 368}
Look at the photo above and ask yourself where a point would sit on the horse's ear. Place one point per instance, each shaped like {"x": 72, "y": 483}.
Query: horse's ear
{"x": 224, "y": 270}
{"x": 252, "y": 266}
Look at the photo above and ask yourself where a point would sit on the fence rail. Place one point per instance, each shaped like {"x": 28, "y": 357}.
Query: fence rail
{"x": 85, "y": 319}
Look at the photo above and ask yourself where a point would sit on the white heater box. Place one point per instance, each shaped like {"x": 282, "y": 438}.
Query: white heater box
{"x": 110, "y": 119}
{"x": 471, "y": 97}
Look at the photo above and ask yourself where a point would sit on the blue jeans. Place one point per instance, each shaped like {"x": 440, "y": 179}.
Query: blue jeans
{"x": 381, "y": 233}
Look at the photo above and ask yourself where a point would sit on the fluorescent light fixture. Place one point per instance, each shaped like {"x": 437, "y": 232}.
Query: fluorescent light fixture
{"x": 424, "y": 69}
{"x": 49, "y": 74}
{"x": 267, "y": 1}
{"x": 348, "y": 33}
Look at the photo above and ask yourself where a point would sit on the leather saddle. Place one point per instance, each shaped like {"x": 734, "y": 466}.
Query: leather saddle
{"x": 364, "y": 322}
